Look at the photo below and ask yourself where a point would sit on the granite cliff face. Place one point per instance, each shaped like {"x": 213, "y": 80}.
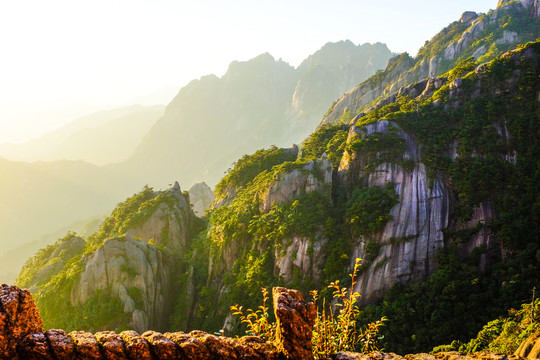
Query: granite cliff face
{"x": 133, "y": 271}
{"x": 410, "y": 240}
{"x": 136, "y": 268}
{"x": 433, "y": 164}
{"x": 407, "y": 146}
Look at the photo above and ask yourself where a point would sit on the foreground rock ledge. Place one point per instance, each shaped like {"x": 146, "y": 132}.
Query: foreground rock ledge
{"x": 22, "y": 336}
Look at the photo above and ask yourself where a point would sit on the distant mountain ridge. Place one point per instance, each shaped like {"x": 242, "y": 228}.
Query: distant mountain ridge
{"x": 100, "y": 138}
{"x": 248, "y": 108}
{"x": 257, "y": 103}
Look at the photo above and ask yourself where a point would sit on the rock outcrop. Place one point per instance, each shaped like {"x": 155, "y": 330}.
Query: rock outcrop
{"x": 136, "y": 267}
{"x": 19, "y": 317}
{"x": 468, "y": 16}
{"x": 129, "y": 264}
{"x": 170, "y": 224}
{"x": 21, "y": 336}
{"x": 530, "y": 348}
{"x": 135, "y": 272}
{"x": 200, "y": 198}
{"x": 313, "y": 176}
{"x": 409, "y": 241}
{"x": 295, "y": 320}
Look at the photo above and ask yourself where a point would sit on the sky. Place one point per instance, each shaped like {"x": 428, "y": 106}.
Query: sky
{"x": 60, "y": 59}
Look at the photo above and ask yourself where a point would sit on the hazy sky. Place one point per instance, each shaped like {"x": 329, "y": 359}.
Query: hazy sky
{"x": 63, "y": 58}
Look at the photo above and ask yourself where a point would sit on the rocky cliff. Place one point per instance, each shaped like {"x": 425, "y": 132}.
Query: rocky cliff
{"x": 431, "y": 174}
{"x": 130, "y": 273}
{"x": 136, "y": 273}
{"x": 405, "y": 184}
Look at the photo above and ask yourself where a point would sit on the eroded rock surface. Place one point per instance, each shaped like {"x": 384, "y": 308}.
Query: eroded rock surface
{"x": 295, "y": 320}
{"x": 21, "y": 336}
{"x": 19, "y": 316}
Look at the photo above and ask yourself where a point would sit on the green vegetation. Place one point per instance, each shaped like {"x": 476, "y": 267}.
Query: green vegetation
{"x": 340, "y": 331}
{"x": 333, "y": 332}
{"x": 439, "y": 43}
{"x": 458, "y": 299}
{"x": 249, "y": 166}
{"x": 422, "y": 314}
{"x": 131, "y": 213}
{"x": 462, "y": 131}
{"x": 327, "y": 139}
{"x": 258, "y": 321}
{"x": 380, "y": 148}
{"x": 502, "y": 335}
{"x": 56, "y": 269}
{"x": 368, "y": 210}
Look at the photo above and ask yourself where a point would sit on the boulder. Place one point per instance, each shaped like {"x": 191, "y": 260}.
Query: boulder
{"x": 467, "y": 17}
{"x": 86, "y": 345}
{"x": 136, "y": 347}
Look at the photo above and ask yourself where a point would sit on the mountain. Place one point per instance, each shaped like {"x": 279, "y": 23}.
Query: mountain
{"x": 426, "y": 188}
{"x": 12, "y": 261}
{"x": 433, "y": 183}
{"x": 186, "y": 142}
{"x": 125, "y": 274}
{"x": 100, "y": 138}
{"x": 482, "y": 36}
{"x": 257, "y": 103}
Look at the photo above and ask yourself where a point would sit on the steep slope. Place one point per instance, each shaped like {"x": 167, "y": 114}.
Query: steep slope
{"x": 101, "y": 138}
{"x": 482, "y": 36}
{"x": 257, "y": 103}
{"x": 335, "y": 68}
{"x": 122, "y": 275}
{"x": 187, "y": 143}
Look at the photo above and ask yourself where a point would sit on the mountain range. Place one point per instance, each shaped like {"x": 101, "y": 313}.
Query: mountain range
{"x": 427, "y": 171}
{"x": 102, "y": 158}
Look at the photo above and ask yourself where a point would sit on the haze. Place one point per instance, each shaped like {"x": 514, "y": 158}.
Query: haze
{"x": 63, "y": 59}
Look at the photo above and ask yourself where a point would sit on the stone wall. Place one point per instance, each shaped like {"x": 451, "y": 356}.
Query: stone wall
{"x": 22, "y": 336}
